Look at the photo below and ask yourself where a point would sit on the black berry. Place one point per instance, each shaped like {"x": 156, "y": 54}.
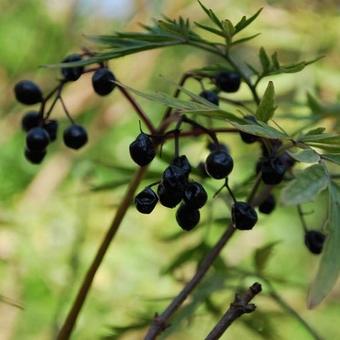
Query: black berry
{"x": 142, "y": 149}
{"x": 30, "y": 120}
{"x": 37, "y": 139}
{"x": 103, "y": 81}
{"x": 244, "y": 217}
{"x": 314, "y": 241}
{"x": 273, "y": 170}
{"x": 51, "y": 126}
{"x": 210, "y": 96}
{"x": 27, "y": 92}
{"x": 268, "y": 205}
{"x": 146, "y": 201}
{"x": 195, "y": 195}
{"x": 168, "y": 197}
{"x": 228, "y": 81}
{"x": 187, "y": 217}
{"x": 219, "y": 164}
{"x": 35, "y": 157}
{"x": 72, "y": 73}
{"x": 175, "y": 178}
{"x": 183, "y": 163}
{"x": 218, "y": 147}
{"x": 75, "y": 136}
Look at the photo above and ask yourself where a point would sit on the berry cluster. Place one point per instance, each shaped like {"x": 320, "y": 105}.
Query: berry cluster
{"x": 40, "y": 129}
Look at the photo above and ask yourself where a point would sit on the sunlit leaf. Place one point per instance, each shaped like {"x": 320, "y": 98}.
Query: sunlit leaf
{"x": 265, "y": 110}
{"x": 306, "y": 185}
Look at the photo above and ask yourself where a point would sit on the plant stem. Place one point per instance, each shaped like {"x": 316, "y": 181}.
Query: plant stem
{"x": 67, "y": 328}
{"x": 138, "y": 110}
{"x": 237, "y": 308}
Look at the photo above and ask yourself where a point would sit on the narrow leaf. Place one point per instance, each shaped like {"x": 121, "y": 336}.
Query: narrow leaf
{"x": 264, "y": 59}
{"x": 306, "y": 185}
{"x": 329, "y": 266}
{"x": 265, "y": 110}
{"x": 305, "y": 156}
{"x": 260, "y": 130}
{"x": 242, "y": 40}
{"x": 313, "y": 104}
{"x": 244, "y": 22}
{"x": 334, "y": 158}
{"x": 262, "y": 255}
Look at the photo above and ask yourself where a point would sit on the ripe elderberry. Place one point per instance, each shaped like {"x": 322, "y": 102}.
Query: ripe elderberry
{"x": 51, "y": 126}
{"x": 142, "y": 149}
{"x": 273, "y": 170}
{"x": 268, "y": 205}
{"x": 187, "y": 217}
{"x": 103, "y": 81}
{"x": 247, "y": 137}
{"x": 146, "y": 201}
{"x": 210, "y": 96}
{"x": 35, "y": 157}
{"x": 228, "y": 81}
{"x": 37, "y": 139}
{"x": 244, "y": 217}
{"x": 219, "y": 164}
{"x": 72, "y": 73}
{"x": 30, "y": 120}
{"x": 314, "y": 241}
{"x": 195, "y": 195}
{"x": 27, "y": 92}
{"x": 168, "y": 197}
{"x": 75, "y": 136}
{"x": 183, "y": 163}
{"x": 175, "y": 178}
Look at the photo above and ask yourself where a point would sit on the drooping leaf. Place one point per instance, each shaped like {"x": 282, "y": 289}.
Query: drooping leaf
{"x": 329, "y": 267}
{"x": 262, "y": 256}
{"x": 305, "y": 156}
{"x": 306, "y": 185}
{"x": 266, "y": 108}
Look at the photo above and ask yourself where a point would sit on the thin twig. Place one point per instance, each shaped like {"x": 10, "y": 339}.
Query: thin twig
{"x": 237, "y": 308}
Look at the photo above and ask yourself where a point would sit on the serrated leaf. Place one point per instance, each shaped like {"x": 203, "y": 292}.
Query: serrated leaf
{"x": 305, "y": 156}
{"x": 334, "y": 158}
{"x": 262, "y": 255}
{"x": 329, "y": 267}
{"x": 264, "y": 59}
{"x": 266, "y": 108}
{"x": 244, "y": 22}
{"x": 306, "y": 185}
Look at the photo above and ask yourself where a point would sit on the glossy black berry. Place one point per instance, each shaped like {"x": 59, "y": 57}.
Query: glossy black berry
{"x": 30, "y": 120}
{"x": 146, "y": 201}
{"x": 218, "y": 147}
{"x": 35, "y": 157}
{"x": 244, "y": 217}
{"x": 268, "y": 205}
{"x": 210, "y": 96}
{"x": 187, "y": 217}
{"x": 37, "y": 139}
{"x": 247, "y": 137}
{"x": 75, "y": 136}
{"x": 273, "y": 170}
{"x": 27, "y": 92}
{"x": 51, "y": 126}
{"x": 103, "y": 81}
{"x": 72, "y": 73}
{"x": 195, "y": 195}
{"x": 183, "y": 163}
{"x": 142, "y": 149}
{"x": 219, "y": 164}
{"x": 168, "y": 197}
{"x": 314, "y": 241}
{"x": 175, "y": 178}
{"x": 228, "y": 81}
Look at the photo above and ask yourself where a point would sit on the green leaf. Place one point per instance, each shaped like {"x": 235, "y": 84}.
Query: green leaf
{"x": 266, "y": 108}
{"x": 244, "y": 22}
{"x": 305, "y": 156}
{"x": 260, "y": 129}
{"x": 210, "y": 29}
{"x": 275, "y": 61}
{"x": 242, "y": 40}
{"x": 334, "y": 158}
{"x": 313, "y": 104}
{"x": 264, "y": 59}
{"x": 329, "y": 267}
{"x": 316, "y": 131}
{"x": 262, "y": 255}
{"x": 213, "y": 17}
{"x": 228, "y": 30}
{"x": 306, "y": 185}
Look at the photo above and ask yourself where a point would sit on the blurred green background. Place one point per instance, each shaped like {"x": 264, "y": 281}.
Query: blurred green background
{"x": 53, "y": 216}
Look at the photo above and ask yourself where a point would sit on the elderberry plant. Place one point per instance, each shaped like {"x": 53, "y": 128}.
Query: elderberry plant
{"x": 294, "y": 166}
